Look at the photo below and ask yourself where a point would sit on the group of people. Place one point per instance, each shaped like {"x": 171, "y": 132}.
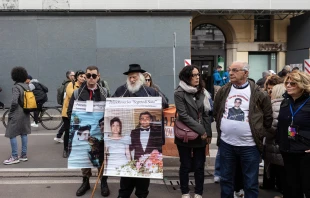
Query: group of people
{"x": 251, "y": 123}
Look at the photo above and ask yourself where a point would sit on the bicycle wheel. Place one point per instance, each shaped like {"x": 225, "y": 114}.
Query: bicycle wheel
{"x": 50, "y": 118}
{"x": 5, "y": 118}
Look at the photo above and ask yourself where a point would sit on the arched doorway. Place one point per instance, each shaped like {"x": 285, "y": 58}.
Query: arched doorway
{"x": 208, "y": 50}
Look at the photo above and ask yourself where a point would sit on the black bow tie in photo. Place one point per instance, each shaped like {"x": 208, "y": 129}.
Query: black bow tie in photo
{"x": 145, "y": 130}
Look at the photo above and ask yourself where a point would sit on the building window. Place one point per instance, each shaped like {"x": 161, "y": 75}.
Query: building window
{"x": 261, "y": 28}
{"x": 207, "y": 36}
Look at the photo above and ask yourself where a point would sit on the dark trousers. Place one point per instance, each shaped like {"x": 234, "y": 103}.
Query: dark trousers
{"x": 238, "y": 182}
{"x": 297, "y": 171}
{"x": 86, "y": 172}
{"x": 66, "y": 130}
{"x": 127, "y": 185}
{"x": 189, "y": 157}
{"x": 37, "y": 113}
{"x": 61, "y": 131}
{"x": 249, "y": 158}
{"x": 276, "y": 177}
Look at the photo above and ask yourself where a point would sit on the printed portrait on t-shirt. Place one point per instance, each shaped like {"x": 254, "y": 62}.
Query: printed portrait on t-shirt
{"x": 236, "y": 113}
{"x": 237, "y": 108}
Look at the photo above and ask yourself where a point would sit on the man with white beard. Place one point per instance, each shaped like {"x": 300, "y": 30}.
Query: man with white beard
{"x": 134, "y": 87}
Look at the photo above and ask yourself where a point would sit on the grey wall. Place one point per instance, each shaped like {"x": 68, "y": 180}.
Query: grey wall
{"x": 298, "y": 40}
{"x": 297, "y": 56}
{"x": 48, "y": 46}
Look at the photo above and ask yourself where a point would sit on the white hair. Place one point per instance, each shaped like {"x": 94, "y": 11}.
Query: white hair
{"x": 287, "y": 68}
{"x": 134, "y": 88}
{"x": 245, "y": 65}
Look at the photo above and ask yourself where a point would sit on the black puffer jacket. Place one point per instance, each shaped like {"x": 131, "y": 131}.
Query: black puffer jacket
{"x": 301, "y": 119}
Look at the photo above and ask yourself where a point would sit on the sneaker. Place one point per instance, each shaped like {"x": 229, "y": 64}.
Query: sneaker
{"x": 23, "y": 158}
{"x": 261, "y": 164}
{"x": 59, "y": 140}
{"x": 34, "y": 124}
{"x": 186, "y": 196}
{"x": 239, "y": 194}
{"x": 197, "y": 196}
{"x": 217, "y": 179}
{"x": 11, "y": 160}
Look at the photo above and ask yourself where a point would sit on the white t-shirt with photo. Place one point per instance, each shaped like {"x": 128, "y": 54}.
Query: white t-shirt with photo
{"x": 235, "y": 126}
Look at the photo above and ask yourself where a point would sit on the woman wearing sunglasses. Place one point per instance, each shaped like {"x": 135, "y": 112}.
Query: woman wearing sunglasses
{"x": 79, "y": 79}
{"x": 294, "y": 134}
{"x": 149, "y": 83}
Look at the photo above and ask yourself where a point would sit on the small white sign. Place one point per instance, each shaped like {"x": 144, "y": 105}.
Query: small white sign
{"x": 187, "y": 62}
{"x": 89, "y": 106}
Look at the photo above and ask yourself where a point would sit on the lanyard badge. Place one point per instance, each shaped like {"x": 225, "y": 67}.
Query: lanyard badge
{"x": 294, "y": 129}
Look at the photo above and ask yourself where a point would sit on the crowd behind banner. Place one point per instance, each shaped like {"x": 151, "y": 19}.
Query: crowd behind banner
{"x": 126, "y": 135}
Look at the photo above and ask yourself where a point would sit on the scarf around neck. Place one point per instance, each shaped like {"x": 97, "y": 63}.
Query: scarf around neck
{"x": 192, "y": 90}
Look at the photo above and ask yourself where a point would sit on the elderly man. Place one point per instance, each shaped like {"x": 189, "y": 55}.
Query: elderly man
{"x": 241, "y": 138}
{"x": 134, "y": 87}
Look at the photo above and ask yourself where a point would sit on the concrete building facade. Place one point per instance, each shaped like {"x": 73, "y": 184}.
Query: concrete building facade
{"x": 50, "y": 37}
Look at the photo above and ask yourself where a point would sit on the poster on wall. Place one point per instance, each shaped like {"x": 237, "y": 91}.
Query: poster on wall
{"x": 133, "y": 137}
{"x": 86, "y": 135}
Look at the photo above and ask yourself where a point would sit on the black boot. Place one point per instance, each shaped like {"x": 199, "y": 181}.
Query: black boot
{"x": 104, "y": 187}
{"x": 84, "y": 187}
{"x": 65, "y": 154}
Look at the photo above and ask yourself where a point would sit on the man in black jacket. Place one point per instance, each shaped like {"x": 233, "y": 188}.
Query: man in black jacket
{"x": 134, "y": 87}
{"x": 40, "y": 92}
{"x": 90, "y": 90}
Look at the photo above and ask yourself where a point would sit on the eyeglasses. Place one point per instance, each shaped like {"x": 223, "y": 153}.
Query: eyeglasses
{"x": 94, "y": 76}
{"x": 235, "y": 70}
{"x": 148, "y": 80}
{"x": 293, "y": 84}
{"x": 195, "y": 75}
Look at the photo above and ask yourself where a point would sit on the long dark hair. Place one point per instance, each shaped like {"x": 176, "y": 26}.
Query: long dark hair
{"x": 186, "y": 76}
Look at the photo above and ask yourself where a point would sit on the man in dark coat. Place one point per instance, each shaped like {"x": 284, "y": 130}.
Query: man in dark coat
{"x": 134, "y": 87}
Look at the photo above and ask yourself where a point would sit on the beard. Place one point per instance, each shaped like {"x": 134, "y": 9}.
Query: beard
{"x": 133, "y": 88}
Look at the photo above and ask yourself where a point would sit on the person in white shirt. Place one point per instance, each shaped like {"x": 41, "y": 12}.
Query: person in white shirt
{"x": 240, "y": 135}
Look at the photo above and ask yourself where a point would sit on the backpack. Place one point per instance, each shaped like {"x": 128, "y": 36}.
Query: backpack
{"x": 104, "y": 84}
{"x": 29, "y": 102}
{"x": 40, "y": 92}
{"x": 61, "y": 92}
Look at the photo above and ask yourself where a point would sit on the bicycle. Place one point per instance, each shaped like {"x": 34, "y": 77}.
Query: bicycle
{"x": 50, "y": 118}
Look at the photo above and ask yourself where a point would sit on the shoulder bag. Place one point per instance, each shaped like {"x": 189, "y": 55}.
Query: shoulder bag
{"x": 183, "y": 132}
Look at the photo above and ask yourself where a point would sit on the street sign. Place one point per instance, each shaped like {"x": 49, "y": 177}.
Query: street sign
{"x": 187, "y": 62}
{"x": 307, "y": 65}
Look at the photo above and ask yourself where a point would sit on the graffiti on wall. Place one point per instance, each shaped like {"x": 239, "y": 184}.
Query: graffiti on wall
{"x": 9, "y": 4}
{"x": 56, "y": 4}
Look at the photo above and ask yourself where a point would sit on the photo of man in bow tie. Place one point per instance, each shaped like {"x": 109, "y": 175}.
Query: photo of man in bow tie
{"x": 146, "y": 137}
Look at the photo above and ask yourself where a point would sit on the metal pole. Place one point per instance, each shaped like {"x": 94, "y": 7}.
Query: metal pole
{"x": 174, "y": 45}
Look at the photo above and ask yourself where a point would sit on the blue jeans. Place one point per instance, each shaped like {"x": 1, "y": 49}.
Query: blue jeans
{"x": 249, "y": 158}
{"x": 187, "y": 161}
{"x": 15, "y": 147}
{"x": 217, "y": 171}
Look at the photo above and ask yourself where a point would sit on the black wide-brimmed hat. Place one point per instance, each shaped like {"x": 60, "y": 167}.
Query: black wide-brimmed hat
{"x": 134, "y": 68}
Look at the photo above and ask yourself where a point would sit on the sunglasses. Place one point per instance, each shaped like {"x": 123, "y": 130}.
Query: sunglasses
{"x": 293, "y": 84}
{"x": 148, "y": 80}
{"x": 94, "y": 76}
{"x": 195, "y": 75}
